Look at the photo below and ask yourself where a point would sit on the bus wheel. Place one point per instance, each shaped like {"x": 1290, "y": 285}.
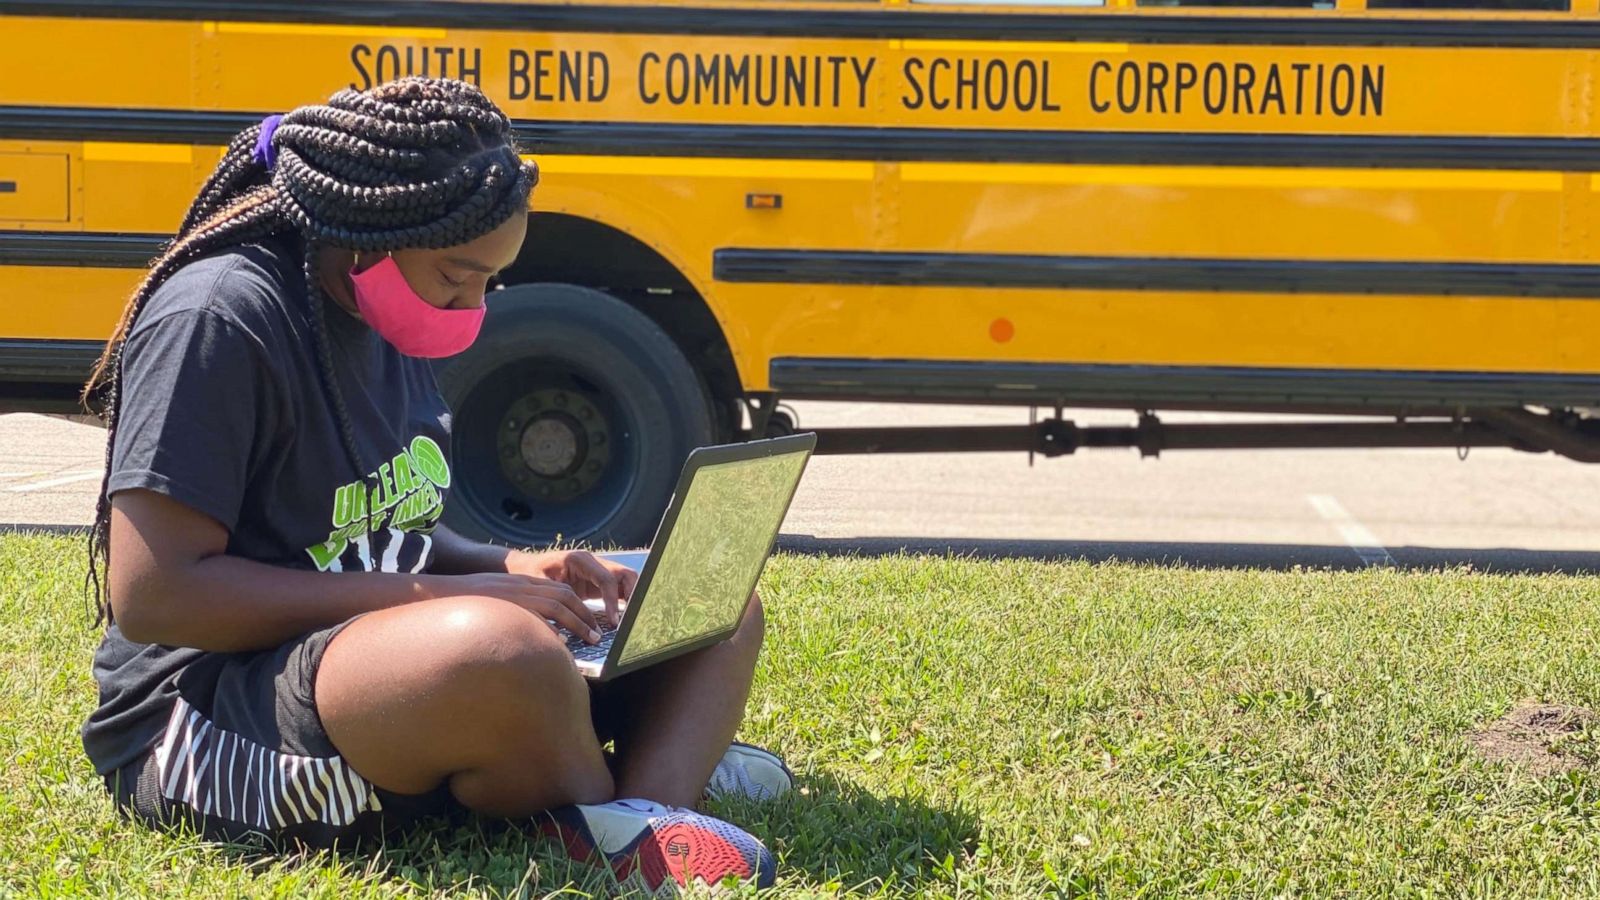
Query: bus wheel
{"x": 573, "y": 413}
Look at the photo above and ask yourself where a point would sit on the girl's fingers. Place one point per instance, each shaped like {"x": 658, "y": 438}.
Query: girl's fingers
{"x": 599, "y": 576}
{"x": 628, "y": 577}
{"x": 565, "y": 617}
{"x": 563, "y": 598}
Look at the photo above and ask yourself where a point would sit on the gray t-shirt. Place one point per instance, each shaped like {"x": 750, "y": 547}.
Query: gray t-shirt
{"x": 224, "y": 409}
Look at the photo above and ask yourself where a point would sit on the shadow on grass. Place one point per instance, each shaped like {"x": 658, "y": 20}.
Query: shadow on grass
{"x": 1204, "y": 555}
{"x": 834, "y": 831}
{"x": 829, "y": 832}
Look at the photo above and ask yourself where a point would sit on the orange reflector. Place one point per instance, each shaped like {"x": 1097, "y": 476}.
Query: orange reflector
{"x": 763, "y": 201}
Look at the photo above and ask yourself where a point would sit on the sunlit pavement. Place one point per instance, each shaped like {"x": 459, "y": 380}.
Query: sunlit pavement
{"x": 1499, "y": 509}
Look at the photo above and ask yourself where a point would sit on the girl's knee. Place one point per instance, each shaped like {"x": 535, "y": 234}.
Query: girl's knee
{"x": 485, "y": 639}
{"x": 753, "y": 627}
{"x": 464, "y": 652}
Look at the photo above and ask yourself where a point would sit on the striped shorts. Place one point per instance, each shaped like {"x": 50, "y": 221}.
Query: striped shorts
{"x": 244, "y": 755}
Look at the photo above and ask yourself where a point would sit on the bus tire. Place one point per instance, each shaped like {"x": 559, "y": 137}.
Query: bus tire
{"x": 572, "y": 415}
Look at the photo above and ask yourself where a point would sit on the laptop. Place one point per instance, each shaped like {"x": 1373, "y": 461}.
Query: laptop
{"x": 696, "y": 579}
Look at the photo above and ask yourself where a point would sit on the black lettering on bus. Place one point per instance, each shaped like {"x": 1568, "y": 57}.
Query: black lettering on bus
{"x": 1044, "y": 88}
{"x": 1094, "y": 86}
{"x": 966, "y": 85}
{"x": 738, "y": 76}
{"x": 474, "y": 72}
{"x": 995, "y": 75}
{"x": 913, "y": 100}
{"x": 599, "y": 82}
{"x": 541, "y": 71}
{"x": 518, "y": 89}
{"x": 862, "y": 77}
{"x": 1371, "y": 91}
{"x": 1025, "y": 98}
{"x": 707, "y": 78}
{"x": 1320, "y": 87}
{"x": 679, "y": 80}
{"x": 816, "y": 81}
{"x": 1343, "y": 97}
{"x": 1300, "y": 87}
{"x": 1221, "y": 93}
{"x": 569, "y": 79}
{"x": 1157, "y": 88}
{"x": 933, "y": 83}
{"x": 1273, "y": 91}
{"x": 1188, "y": 77}
{"x": 794, "y": 81}
{"x": 356, "y": 53}
{"x": 1244, "y": 78}
{"x": 770, "y": 95}
{"x": 393, "y": 57}
{"x": 644, "y": 78}
{"x": 1128, "y": 98}
{"x": 838, "y": 83}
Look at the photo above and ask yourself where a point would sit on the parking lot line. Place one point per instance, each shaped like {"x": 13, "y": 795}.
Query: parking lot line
{"x": 54, "y": 482}
{"x": 1361, "y": 540}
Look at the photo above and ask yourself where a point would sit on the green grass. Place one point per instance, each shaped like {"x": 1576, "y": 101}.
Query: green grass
{"x": 1152, "y": 732}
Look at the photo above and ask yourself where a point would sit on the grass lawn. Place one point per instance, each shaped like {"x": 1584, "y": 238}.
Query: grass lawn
{"x": 1010, "y": 729}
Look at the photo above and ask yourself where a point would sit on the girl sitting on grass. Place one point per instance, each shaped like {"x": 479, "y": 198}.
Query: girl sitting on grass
{"x": 295, "y": 646}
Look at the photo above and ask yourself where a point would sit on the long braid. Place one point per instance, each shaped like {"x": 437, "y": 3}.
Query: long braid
{"x": 411, "y": 164}
{"x": 237, "y": 172}
{"x": 250, "y": 217}
{"x": 319, "y": 331}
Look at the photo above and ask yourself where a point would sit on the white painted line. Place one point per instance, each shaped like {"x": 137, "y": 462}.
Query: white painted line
{"x": 1362, "y": 541}
{"x": 18, "y": 474}
{"x": 55, "y": 482}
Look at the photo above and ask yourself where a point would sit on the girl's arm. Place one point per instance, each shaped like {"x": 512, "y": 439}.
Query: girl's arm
{"x": 589, "y": 576}
{"x": 171, "y": 582}
{"x": 456, "y": 555}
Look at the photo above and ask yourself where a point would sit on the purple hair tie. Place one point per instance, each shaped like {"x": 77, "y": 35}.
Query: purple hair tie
{"x": 266, "y": 154}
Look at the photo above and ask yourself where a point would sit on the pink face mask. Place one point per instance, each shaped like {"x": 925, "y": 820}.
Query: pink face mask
{"x": 413, "y": 325}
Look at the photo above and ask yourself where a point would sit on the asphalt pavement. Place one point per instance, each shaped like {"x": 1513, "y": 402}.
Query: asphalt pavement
{"x": 1498, "y": 510}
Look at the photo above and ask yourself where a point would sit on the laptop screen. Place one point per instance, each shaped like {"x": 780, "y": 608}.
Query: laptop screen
{"x": 714, "y": 555}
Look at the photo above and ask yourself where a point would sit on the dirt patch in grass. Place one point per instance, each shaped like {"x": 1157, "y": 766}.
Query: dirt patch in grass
{"x": 1533, "y": 735}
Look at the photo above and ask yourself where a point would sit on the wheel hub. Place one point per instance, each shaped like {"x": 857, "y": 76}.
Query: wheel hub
{"x": 554, "y": 444}
{"x": 550, "y": 445}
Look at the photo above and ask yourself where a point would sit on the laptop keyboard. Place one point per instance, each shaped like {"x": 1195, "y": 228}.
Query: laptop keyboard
{"x": 583, "y": 650}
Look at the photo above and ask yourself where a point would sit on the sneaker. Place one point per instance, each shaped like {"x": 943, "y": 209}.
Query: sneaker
{"x": 750, "y": 772}
{"x": 658, "y": 848}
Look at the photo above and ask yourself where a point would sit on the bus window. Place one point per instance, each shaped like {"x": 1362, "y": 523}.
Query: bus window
{"x": 1096, "y": 3}
{"x": 1276, "y": 4}
{"x": 1536, "y": 5}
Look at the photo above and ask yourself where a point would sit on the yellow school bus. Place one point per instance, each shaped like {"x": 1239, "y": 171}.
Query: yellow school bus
{"x": 1383, "y": 211}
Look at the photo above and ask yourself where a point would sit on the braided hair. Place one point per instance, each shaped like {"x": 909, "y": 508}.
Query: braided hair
{"x": 418, "y": 163}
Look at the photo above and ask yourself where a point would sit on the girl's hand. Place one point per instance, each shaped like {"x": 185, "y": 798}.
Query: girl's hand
{"x": 582, "y": 571}
{"x": 546, "y": 598}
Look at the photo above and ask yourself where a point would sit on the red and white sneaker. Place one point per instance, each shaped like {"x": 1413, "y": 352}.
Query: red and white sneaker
{"x": 658, "y": 848}
{"x": 749, "y": 772}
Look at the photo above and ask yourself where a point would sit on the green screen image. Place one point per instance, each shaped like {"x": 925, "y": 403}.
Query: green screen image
{"x": 712, "y": 559}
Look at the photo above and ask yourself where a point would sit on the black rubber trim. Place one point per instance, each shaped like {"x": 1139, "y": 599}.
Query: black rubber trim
{"x": 1154, "y": 386}
{"x": 889, "y": 144}
{"x": 1083, "y": 147}
{"x": 867, "y": 22}
{"x": 8, "y": 187}
{"x": 47, "y": 361}
{"x": 68, "y": 248}
{"x": 1135, "y": 273}
{"x": 160, "y": 126}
